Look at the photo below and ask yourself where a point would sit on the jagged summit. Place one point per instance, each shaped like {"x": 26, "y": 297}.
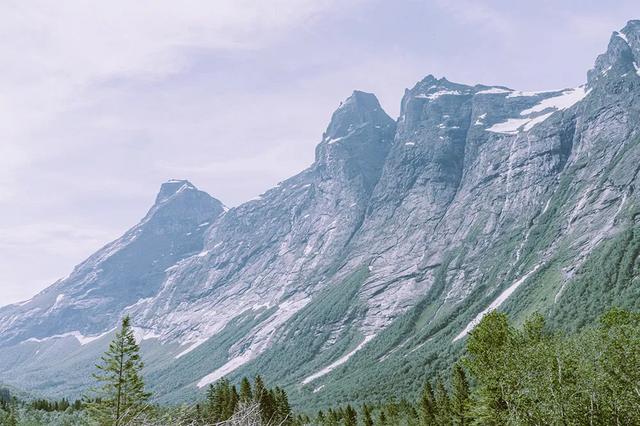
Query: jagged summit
{"x": 172, "y": 187}
{"x": 622, "y": 57}
{"x": 357, "y": 141}
{"x": 358, "y": 110}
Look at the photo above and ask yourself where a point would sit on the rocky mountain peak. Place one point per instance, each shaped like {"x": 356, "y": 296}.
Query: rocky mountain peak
{"x": 358, "y": 110}
{"x": 622, "y": 57}
{"x": 356, "y": 141}
{"x": 172, "y": 187}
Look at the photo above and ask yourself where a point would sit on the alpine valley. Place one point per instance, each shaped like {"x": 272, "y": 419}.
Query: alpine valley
{"x": 369, "y": 268}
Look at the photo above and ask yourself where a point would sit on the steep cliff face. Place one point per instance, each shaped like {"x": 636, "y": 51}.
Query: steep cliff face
{"x": 372, "y": 265}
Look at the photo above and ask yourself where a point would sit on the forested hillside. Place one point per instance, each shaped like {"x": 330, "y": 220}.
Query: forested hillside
{"x": 508, "y": 375}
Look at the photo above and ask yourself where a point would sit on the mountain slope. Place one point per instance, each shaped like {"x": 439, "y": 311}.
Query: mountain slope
{"x": 372, "y": 265}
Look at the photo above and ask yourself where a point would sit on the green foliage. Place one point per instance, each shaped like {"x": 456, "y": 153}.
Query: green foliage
{"x": 460, "y": 401}
{"x": 120, "y": 396}
{"x": 508, "y": 375}
{"x": 223, "y": 402}
{"x": 427, "y": 409}
{"x": 533, "y": 376}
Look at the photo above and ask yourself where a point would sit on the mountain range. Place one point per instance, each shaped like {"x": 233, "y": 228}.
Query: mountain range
{"x": 372, "y": 265}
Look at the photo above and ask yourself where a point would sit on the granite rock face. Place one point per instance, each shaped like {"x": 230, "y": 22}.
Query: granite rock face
{"x": 385, "y": 252}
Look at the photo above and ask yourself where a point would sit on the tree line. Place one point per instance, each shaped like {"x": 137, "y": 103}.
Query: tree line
{"x": 507, "y": 375}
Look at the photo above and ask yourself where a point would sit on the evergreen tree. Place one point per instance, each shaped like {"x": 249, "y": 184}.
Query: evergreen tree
{"x": 382, "y": 420}
{"x": 264, "y": 398}
{"x": 222, "y": 399}
{"x": 459, "y": 396}
{"x": 427, "y": 405}
{"x": 442, "y": 404}
{"x": 350, "y": 416}
{"x": 282, "y": 407}
{"x": 120, "y": 396}
{"x": 231, "y": 402}
{"x": 246, "y": 394}
{"x": 366, "y": 415}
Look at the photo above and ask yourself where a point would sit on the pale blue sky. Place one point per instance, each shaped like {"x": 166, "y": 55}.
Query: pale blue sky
{"x": 100, "y": 102}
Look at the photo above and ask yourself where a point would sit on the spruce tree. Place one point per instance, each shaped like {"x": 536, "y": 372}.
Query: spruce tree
{"x": 442, "y": 404}
{"x": 459, "y": 396}
{"x": 427, "y": 405}
{"x": 366, "y": 415}
{"x": 350, "y": 416}
{"x": 232, "y": 401}
{"x": 264, "y": 398}
{"x": 282, "y": 407}
{"x": 120, "y": 395}
{"x": 246, "y": 394}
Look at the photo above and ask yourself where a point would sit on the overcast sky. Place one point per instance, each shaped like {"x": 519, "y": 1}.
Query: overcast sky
{"x": 100, "y": 102}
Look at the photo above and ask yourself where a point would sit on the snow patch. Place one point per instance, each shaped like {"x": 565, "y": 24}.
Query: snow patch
{"x": 537, "y": 120}
{"x": 480, "y": 119}
{"x": 141, "y": 334}
{"x": 565, "y": 100}
{"x": 334, "y": 140}
{"x": 622, "y": 36}
{"x": 58, "y": 301}
{"x": 261, "y": 339}
{"x": 510, "y": 127}
{"x": 438, "y": 94}
{"x": 520, "y": 93}
{"x": 497, "y": 302}
{"x": 83, "y": 340}
{"x": 337, "y": 362}
{"x": 191, "y": 348}
{"x": 493, "y": 91}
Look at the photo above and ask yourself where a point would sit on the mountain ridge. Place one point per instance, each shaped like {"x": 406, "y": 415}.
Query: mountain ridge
{"x": 380, "y": 256}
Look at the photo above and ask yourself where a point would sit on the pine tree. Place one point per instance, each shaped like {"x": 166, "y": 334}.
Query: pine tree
{"x": 366, "y": 415}
{"x": 350, "y": 416}
{"x": 232, "y": 401}
{"x": 264, "y": 398}
{"x": 120, "y": 396}
{"x": 282, "y": 407}
{"x": 246, "y": 394}
{"x": 427, "y": 405}
{"x": 459, "y": 396}
{"x": 442, "y": 404}
{"x": 222, "y": 399}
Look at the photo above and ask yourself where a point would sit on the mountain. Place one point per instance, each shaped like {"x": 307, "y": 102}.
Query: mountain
{"x": 369, "y": 267}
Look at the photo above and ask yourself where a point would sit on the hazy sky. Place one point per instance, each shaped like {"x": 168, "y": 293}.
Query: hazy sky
{"x": 100, "y": 102}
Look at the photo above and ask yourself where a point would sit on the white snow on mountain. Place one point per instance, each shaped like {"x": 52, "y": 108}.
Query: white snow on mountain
{"x": 329, "y": 368}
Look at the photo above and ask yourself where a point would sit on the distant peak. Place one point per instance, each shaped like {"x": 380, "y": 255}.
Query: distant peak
{"x": 172, "y": 187}
{"x": 362, "y": 100}
{"x": 359, "y": 109}
{"x": 621, "y": 57}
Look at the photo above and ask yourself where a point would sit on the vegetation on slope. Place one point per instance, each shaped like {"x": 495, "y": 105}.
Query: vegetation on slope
{"x": 507, "y": 376}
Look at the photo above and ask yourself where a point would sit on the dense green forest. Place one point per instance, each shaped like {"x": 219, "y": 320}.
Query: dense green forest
{"x": 532, "y": 375}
